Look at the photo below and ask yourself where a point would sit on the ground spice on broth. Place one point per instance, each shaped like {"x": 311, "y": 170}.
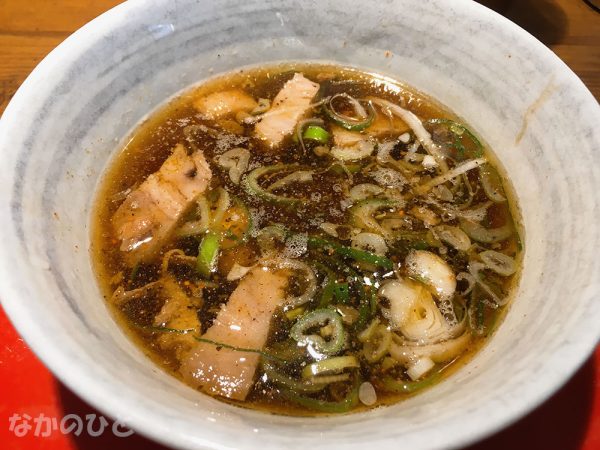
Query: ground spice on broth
{"x": 409, "y": 286}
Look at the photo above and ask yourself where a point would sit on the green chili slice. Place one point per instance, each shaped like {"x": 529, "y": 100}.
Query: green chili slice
{"x": 319, "y": 318}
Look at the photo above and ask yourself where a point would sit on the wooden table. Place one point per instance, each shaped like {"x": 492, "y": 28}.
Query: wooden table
{"x": 29, "y": 29}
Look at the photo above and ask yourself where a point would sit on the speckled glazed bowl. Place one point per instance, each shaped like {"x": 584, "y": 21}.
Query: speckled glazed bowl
{"x": 76, "y": 108}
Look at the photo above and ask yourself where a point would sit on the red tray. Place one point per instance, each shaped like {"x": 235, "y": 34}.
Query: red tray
{"x": 35, "y": 404}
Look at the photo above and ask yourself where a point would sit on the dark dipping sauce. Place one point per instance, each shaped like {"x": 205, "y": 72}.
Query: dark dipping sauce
{"x": 384, "y": 257}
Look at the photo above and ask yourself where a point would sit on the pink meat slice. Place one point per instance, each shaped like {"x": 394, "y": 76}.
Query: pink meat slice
{"x": 243, "y": 322}
{"x": 149, "y": 214}
{"x": 289, "y": 106}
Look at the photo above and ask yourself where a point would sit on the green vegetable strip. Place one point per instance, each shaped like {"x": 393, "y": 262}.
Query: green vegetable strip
{"x": 285, "y": 381}
{"x": 239, "y": 349}
{"x": 330, "y": 274}
{"x": 134, "y": 272}
{"x": 340, "y": 169}
{"x": 252, "y": 186}
{"x": 345, "y": 405}
{"x": 352, "y": 126}
{"x": 349, "y": 252}
{"x": 458, "y": 130}
{"x": 208, "y": 253}
{"x": 372, "y": 300}
{"x": 327, "y": 294}
{"x": 164, "y": 329}
{"x": 480, "y": 314}
{"x": 341, "y": 292}
{"x": 316, "y": 133}
{"x": 288, "y": 351}
{"x": 265, "y": 355}
{"x": 334, "y": 365}
{"x": 364, "y": 308}
{"x": 365, "y": 303}
{"x": 407, "y": 387}
{"x": 246, "y": 232}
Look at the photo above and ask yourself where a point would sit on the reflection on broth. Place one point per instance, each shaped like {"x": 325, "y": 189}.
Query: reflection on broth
{"x": 306, "y": 239}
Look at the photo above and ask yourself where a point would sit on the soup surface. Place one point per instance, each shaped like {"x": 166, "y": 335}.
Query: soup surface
{"x": 306, "y": 239}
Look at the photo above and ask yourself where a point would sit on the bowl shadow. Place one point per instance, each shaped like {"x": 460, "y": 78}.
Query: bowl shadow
{"x": 561, "y": 422}
{"x": 108, "y": 439}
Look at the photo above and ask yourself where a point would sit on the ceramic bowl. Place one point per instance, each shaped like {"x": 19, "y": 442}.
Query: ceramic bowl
{"x": 73, "y": 112}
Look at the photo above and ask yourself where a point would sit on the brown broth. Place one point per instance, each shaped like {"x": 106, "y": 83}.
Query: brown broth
{"x": 151, "y": 143}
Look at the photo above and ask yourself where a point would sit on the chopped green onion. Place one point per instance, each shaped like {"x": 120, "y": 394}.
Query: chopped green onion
{"x": 134, "y": 272}
{"x": 327, "y": 294}
{"x": 491, "y": 183}
{"x": 236, "y": 225}
{"x": 347, "y": 122}
{"x": 294, "y": 313}
{"x": 482, "y": 313}
{"x": 345, "y": 405}
{"x": 341, "y": 292}
{"x": 366, "y": 334}
{"x": 288, "y": 350}
{"x": 165, "y": 329}
{"x": 486, "y": 235}
{"x": 320, "y": 317}
{"x": 283, "y": 380}
{"x": 208, "y": 254}
{"x": 407, "y": 387}
{"x": 330, "y": 365}
{"x": 363, "y": 211}
{"x": 373, "y": 299}
{"x": 316, "y": 133}
{"x": 343, "y": 168}
{"x": 253, "y": 187}
{"x": 354, "y": 253}
{"x": 459, "y": 132}
{"x": 366, "y": 306}
{"x": 328, "y": 379}
{"x": 378, "y": 343}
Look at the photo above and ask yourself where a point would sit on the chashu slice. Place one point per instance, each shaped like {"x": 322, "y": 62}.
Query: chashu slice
{"x": 243, "y": 322}
{"x": 147, "y": 217}
{"x": 289, "y": 106}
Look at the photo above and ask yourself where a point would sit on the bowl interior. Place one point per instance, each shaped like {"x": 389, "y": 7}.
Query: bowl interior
{"x": 74, "y": 111}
